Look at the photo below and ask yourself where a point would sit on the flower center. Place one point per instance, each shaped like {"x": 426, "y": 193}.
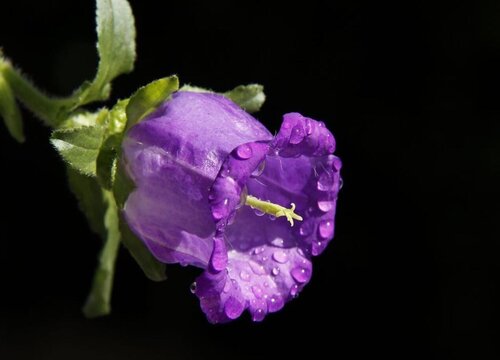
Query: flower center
{"x": 273, "y": 209}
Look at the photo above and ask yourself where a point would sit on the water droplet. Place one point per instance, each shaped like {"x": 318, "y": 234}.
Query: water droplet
{"x": 257, "y": 269}
{"x": 308, "y": 127}
{"x": 318, "y": 247}
{"x": 227, "y": 286}
{"x": 280, "y": 256}
{"x": 325, "y": 205}
{"x": 259, "y": 315}
{"x": 307, "y": 227}
{"x": 233, "y": 308}
{"x": 277, "y": 242}
{"x": 225, "y": 171}
{"x": 243, "y": 197}
{"x": 341, "y": 183}
{"x": 275, "y": 303}
{"x": 325, "y": 229}
{"x": 336, "y": 163}
{"x": 257, "y": 291}
{"x": 272, "y": 217}
{"x": 294, "y": 291}
{"x": 244, "y": 275}
{"x": 259, "y": 169}
{"x": 264, "y": 258}
{"x": 297, "y": 135}
{"x": 275, "y": 271}
{"x": 300, "y": 274}
{"x": 266, "y": 284}
{"x": 244, "y": 151}
{"x": 192, "y": 287}
{"x": 219, "y": 210}
{"x": 325, "y": 181}
{"x": 259, "y": 250}
{"x": 258, "y": 212}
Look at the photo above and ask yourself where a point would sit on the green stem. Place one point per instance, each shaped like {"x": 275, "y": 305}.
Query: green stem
{"x": 99, "y": 300}
{"x": 46, "y": 108}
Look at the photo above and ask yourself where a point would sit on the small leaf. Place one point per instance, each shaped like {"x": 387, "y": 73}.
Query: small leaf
{"x": 10, "y": 112}
{"x": 106, "y": 161}
{"x": 149, "y": 97}
{"x": 90, "y": 199}
{"x": 249, "y": 97}
{"x": 99, "y": 300}
{"x": 152, "y": 268}
{"x": 79, "y": 147}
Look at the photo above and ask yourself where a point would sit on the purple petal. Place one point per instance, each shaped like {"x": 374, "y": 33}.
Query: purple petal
{"x": 269, "y": 261}
{"x": 173, "y": 156}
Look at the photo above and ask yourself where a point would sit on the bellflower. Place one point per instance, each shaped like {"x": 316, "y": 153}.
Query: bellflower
{"x": 215, "y": 189}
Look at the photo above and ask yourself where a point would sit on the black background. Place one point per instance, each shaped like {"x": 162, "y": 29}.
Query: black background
{"x": 411, "y": 94}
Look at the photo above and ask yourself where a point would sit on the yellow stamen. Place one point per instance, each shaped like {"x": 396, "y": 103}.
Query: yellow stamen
{"x": 273, "y": 209}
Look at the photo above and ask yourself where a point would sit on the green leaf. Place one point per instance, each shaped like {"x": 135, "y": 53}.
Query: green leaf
{"x": 99, "y": 300}
{"x": 90, "y": 199}
{"x": 108, "y": 154}
{"x": 10, "y": 112}
{"x": 249, "y": 97}
{"x": 152, "y": 268}
{"x": 148, "y": 98}
{"x": 116, "y": 47}
{"x": 79, "y": 147}
{"x": 107, "y": 159}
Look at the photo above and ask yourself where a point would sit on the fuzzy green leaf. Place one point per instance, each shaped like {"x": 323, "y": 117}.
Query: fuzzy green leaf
{"x": 79, "y": 147}
{"x": 152, "y": 268}
{"x": 148, "y": 97}
{"x": 249, "y": 97}
{"x": 10, "y": 112}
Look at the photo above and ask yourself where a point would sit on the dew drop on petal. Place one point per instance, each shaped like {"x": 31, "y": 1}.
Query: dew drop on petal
{"x": 297, "y": 135}
{"x": 259, "y": 250}
{"x": 225, "y": 171}
{"x": 244, "y": 151}
{"x": 300, "y": 274}
{"x": 257, "y": 291}
{"x": 280, "y": 256}
{"x": 233, "y": 308}
{"x": 244, "y": 275}
{"x": 325, "y": 205}
{"x": 257, "y": 269}
{"x": 294, "y": 291}
{"x": 275, "y": 303}
{"x": 275, "y": 271}
{"x": 192, "y": 287}
{"x": 278, "y": 242}
{"x": 258, "y": 315}
{"x": 325, "y": 181}
{"x": 259, "y": 170}
{"x": 308, "y": 127}
{"x": 258, "y": 212}
{"x": 307, "y": 227}
{"x": 227, "y": 286}
{"x": 325, "y": 229}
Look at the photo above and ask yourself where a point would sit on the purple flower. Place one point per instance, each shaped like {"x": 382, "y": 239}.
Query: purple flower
{"x": 216, "y": 190}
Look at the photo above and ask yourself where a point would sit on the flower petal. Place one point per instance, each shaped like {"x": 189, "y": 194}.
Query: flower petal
{"x": 268, "y": 262}
{"x": 173, "y": 156}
